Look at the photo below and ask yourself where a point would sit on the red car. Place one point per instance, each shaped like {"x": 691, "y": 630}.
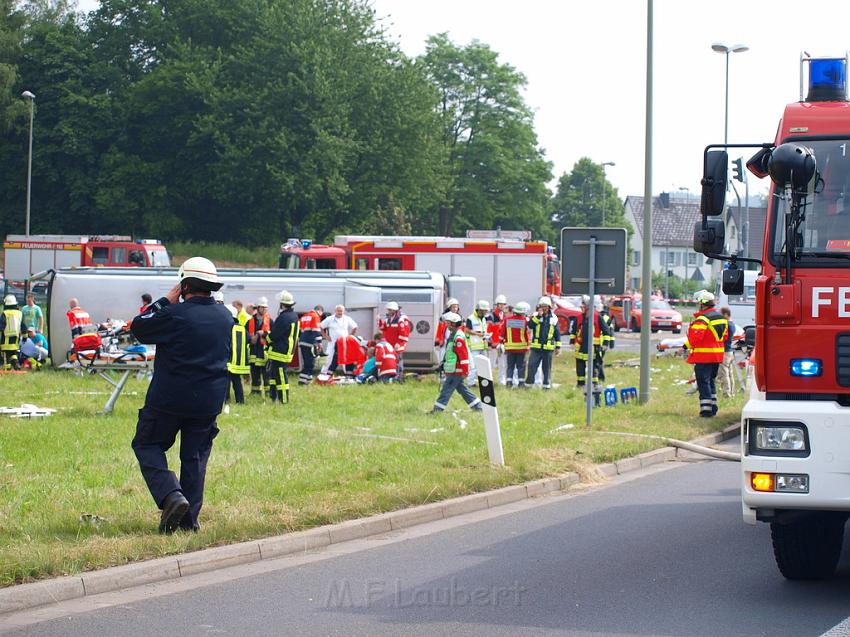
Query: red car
{"x": 566, "y": 311}
{"x": 663, "y": 317}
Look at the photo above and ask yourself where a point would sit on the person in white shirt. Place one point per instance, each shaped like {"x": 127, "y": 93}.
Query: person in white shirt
{"x": 333, "y": 327}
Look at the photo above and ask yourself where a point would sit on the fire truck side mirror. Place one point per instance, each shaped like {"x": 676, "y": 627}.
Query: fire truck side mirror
{"x": 714, "y": 180}
{"x": 711, "y": 238}
{"x": 733, "y": 282}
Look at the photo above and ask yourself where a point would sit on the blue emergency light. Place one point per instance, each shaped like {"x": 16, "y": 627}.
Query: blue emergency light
{"x": 806, "y": 367}
{"x": 306, "y": 243}
{"x": 827, "y": 80}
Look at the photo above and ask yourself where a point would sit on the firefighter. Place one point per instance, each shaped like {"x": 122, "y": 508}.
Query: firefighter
{"x": 545, "y": 341}
{"x": 11, "y": 327}
{"x": 496, "y": 351}
{"x": 452, "y": 305}
{"x": 186, "y": 393}
{"x": 516, "y": 338}
{"x": 607, "y": 339}
{"x": 238, "y": 365}
{"x": 309, "y": 342}
{"x": 259, "y": 328}
{"x": 455, "y": 367}
{"x": 583, "y": 345}
{"x": 477, "y": 337}
{"x": 706, "y": 335}
{"x": 282, "y": 343}
{"x": 395, "y": 327}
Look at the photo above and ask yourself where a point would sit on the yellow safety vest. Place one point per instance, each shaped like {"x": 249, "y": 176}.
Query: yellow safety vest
{"x": 238, "y": 351}
{"x": 291, "y": 340}
{"x": 476, "y": 341}
{"x": 543, "y": 341}
{"x": 12, "y": 333}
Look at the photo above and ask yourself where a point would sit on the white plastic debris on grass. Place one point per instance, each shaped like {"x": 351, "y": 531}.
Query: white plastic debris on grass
{"x": 562, "y": 428}
{"x": 26, "y": 410}
{"x": 460, "y": 420}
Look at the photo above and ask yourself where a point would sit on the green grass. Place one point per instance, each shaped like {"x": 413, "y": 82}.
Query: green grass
{"x": 275, "y": 468}
{"x": 225, "y": 254}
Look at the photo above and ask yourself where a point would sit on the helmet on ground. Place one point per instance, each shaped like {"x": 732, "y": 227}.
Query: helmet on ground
{"x": 392, "y": 306}
{"x": 544, "y": 300}
{"x": 201, "y": 272}
{"x": 483, "y": 305}
{"x": 262, "y": 302}
{"x": 522, "y": 308}
{"x": 501, "y": 299}
{"x": 452, "y": 301}
{"x": 452, "y": 317}
{"x": 10, "y": 300}
{"x": 704, "y": 297}
{"x": 285, "y": 297}
{"x": 218, "y": 296}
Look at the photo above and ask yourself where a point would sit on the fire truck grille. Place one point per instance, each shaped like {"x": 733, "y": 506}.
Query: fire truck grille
{"x": 842, "y": 359}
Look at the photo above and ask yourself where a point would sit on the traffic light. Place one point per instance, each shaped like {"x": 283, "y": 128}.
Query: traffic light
{"x": 738, "y": 169}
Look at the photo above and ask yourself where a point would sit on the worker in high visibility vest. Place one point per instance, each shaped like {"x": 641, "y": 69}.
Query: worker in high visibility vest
{"x": 238, "y": 366}
{"x": 259, "y": 328}
{"x": 496, "y": 351}
{"x": 283, "y": 339}
{"x": 455, "y": 366}
{"x": 11, "y": 326}
{"x": 309, "y": 342}
{"x": 545, "y": 342}
{"x": 588, "y": 350}
{"x": 516, "y": 339}
{"x": 607, "y": 339}
{"x": 477, "y": 337}
{"x": 706, "y": 335}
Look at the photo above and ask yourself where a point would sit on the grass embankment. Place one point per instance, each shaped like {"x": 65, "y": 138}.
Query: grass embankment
{"x": 334, "y": 453}
{"x": 225, "y": 255}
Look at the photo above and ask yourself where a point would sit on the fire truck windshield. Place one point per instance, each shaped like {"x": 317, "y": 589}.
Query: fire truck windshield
{"x": 824, "y": 230}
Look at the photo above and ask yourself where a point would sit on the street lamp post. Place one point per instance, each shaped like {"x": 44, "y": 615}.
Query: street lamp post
{"x": 722, "y": 48}
{"x": 603, "y": 164}
{"x": 29, "y": 96}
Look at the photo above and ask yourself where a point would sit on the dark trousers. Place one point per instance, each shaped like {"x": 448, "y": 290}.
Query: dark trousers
{"x": 10, "y": 358}
{"x": 706, "y": 374}
{"x": 155, "y": 434}
{"x": 259, "y": 377}
{"x": 308, "y": 362}
{"x": 238, "y": 392}
{"x": 599, "y": 362}
{"x": 455, "y": 383}
{"x": 581, "y": 369}
{"x": 278, "y": 381}
{"x": 538, "y": 358}
{"x": 516, "y": 362}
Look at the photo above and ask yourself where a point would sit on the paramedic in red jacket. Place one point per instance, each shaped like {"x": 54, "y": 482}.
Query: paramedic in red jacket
{"x": 395, "y": 327}
{"x": 496, "y": 352}
{"x": 455, "y": 366}
{"x": 309, "y": 342}
{"x": 386, "y": 359}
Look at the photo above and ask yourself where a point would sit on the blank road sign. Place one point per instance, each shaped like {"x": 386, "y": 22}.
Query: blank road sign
{"x": 610, "y": 260}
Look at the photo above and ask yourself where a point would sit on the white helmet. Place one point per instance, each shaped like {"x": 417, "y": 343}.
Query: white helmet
{"x": 392, "y": 306}
{"x": 704, "y": 297}
{"x": 585, "y": 299}
{"x": 262, "y": 302}
{"x": 10, "y": 300}
{"x": 501, "y": 298}
{"x": 218, "y": 296}
{"x": 597, "y": 306}
{"x": 452, "y": 301}
{"x": 544, "y": 300}
{"x": 452, "y": 317}
{"x": 285, "y": 297}
{"x": 483, "y": 305}
{"x": 522, "y": 308}
{"x": 202, "y": 271}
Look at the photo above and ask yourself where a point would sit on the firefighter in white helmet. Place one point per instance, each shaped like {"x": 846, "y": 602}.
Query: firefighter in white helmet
{"x": 454, "y": 366}
{"x": 477, "y": 337}
{"x": 452, "y": 305}
{"x": 496, "y": 351}
{"x": 259, "y": 328}
{"x": 283, "y": 340}
{"x": 516, "y": 338}
{"x": 545, "y": 342}
{"x": 187, "y": 391}
{"x": 705, "y": 344}
{"x": 11, "y": 327}
{"x": 396, "y": 328}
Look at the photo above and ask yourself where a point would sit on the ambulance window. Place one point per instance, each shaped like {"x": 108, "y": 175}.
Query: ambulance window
{"x": 158, "y": 258}
{"x": 100, "y": 255}
{"x": 361, "y": 263}
{"x": 389, "y": 264}
{"x": 136, "y": 257}
{"x": 119, "y": 255}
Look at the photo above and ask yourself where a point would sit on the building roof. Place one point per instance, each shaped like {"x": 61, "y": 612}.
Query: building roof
{"x": 758, "y": 217}
{"x": 672, "y": 225}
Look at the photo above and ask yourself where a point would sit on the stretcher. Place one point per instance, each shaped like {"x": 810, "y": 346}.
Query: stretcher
{"x": 113, "y": 366}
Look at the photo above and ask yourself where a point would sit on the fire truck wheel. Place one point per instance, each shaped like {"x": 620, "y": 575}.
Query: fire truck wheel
{"x": 808, "y": 548}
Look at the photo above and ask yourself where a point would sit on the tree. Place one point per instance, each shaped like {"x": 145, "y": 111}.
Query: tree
{"x": 584, "y": 196}
{"x": 495, "y": 173}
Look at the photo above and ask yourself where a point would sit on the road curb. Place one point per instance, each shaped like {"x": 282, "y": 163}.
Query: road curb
{"x": 25, "y": 596}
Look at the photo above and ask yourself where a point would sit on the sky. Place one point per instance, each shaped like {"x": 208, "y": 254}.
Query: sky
{"x": 585, "y": 62}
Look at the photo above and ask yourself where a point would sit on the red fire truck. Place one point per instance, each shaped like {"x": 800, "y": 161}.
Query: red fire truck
{"x": 522, "y": 270}
{"x": 25, "y": 255}
{"x": 795, "y": 427}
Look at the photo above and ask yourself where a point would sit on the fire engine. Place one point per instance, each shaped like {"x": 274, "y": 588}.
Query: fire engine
{"x": 521, "y": 270}
{"x": 25, "y": 255}
{"x": 795, "y": 427}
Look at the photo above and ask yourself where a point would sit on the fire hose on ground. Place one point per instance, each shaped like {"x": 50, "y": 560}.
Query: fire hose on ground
{"x": 681, "y": 444}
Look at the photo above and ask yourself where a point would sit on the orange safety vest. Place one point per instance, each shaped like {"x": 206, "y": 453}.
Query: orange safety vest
{"x": 705, "y": 337}
{"x": 514, "y": 332}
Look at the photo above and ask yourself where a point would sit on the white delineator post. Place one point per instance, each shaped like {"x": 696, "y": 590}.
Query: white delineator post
{"x": 487, "y": 392}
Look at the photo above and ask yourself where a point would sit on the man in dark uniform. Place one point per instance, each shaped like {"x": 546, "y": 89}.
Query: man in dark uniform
{"x": 187, "y": 391}
{"x": 283, "y": 341}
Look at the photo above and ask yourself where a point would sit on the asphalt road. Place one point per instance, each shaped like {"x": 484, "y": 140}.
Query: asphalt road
{"x": 662, "y": 554}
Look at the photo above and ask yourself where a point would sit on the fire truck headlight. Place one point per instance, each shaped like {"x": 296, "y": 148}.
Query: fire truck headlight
{"x": 782, "y": 438}
{"x": 806, "y": 367}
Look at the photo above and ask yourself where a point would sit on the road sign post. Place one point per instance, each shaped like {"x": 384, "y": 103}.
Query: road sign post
{"x": 486, "y": 388}
{"x": 591, "y": 256}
